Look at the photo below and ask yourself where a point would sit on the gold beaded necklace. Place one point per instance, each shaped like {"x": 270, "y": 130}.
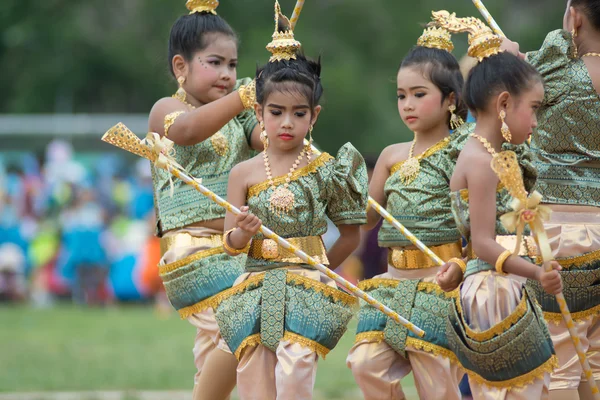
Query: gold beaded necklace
{"x": 282, "y": 198}
{"x": 591, "y": 55}
{"x": 486, "y": 144}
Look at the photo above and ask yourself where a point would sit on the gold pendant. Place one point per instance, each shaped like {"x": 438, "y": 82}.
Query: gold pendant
{"x": 219, "y": 143}
{"x": 409, "y": 170}
{"x": 282, "y": 200}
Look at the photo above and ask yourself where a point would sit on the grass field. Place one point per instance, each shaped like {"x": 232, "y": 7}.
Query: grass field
{"x": 126, "y": 348}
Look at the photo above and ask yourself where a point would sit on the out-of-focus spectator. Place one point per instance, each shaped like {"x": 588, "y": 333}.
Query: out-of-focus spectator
{"x": 12, "y": 273}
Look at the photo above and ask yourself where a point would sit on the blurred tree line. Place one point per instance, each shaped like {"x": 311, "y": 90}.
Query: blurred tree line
{"x": 110, "y": 56}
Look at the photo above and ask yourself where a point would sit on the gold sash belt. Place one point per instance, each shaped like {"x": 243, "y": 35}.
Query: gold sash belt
{"x": 267, "y": 249}
{"x": 415, "y": 259}
{"x": 186, "y": 240}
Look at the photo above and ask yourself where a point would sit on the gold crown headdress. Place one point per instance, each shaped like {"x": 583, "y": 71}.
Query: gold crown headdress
{"x": 436, "y": 38}
{"x": 283, "y": 46}
{"x": 197, "y": 6}
{"x": 483, "y": 42}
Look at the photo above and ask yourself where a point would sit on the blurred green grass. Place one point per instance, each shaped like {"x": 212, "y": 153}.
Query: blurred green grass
{"x": 131, "y": 348}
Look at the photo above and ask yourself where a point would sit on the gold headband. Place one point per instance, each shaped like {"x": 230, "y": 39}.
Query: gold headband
{"x": 283, "y": 46}
{"x": 436, "y": 38}
{"x": 198, "y": 6}
{"x": 483, "y": 42}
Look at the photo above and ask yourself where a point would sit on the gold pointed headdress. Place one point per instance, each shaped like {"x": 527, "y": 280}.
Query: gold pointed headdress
{"x": 283, "y": 46}
{"x": 197, "y": 6}
{"x": 483, "y": 42}
{"x": 436, "y": 38}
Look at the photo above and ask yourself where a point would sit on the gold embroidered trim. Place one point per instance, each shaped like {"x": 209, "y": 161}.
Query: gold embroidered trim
{"x": 250, "y": 341}
{"x": 188, "y": 311}
{"x": 237, "y": 289}
{"x": 519, "y": 381}
{"x": 430, "y": 287}
{"x": 165, "y": 269}
{"x": 429, "y": 152}
{"x": 369, "y": 284}
{"x": 254, "y": 340}
{"x": 371, "y": 337}
{"x": 300, "y": 172}
{"x": 556, "y": 318}
{"x": 434, "y": 349}
{"x": 319, "y": 287}
{"x": 311, "y": 344}
{"x": 292, "y": 278}
{"x": 427, "y": 287}
{"x": 497, "y": 329}
{"x": 578, "y": 261}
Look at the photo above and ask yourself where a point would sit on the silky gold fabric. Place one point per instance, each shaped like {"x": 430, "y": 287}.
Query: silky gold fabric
{"x": 572, "y": 234}
{"x": 537, "y": 390}
{"x": 402, "y": 258}
{"x": 378, "y": 369}
{"x": 201, "y": 241}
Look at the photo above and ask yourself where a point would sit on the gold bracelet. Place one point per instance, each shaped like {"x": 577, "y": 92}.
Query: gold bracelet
{"x": 170, "y": 120}
{"x": 501, "y": 260}
{"x": 460, "y": 262}
{"x": 248, "y": 95}
{"x": 230, "y": 249}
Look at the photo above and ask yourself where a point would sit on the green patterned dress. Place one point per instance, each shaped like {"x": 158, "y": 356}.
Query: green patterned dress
{"x": 282, "y": 300}
{"x": 567, "y": 149}
{"x": 192, "y": 281}
{"x": 423, "y": 207}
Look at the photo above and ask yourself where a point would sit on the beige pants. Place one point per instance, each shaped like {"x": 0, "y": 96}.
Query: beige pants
{"x": 207, "y": 330}
{"x": 571, "y": 234}
{"x": 378, "y": 369}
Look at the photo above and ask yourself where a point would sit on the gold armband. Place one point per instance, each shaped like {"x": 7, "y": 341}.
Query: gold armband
{"x": 460, "y": 262}
{"x": 230, "y": 249}
{"x": 170, "y": 120}
{"x": 501, "y": 260}
{"x": 248, "y": 94}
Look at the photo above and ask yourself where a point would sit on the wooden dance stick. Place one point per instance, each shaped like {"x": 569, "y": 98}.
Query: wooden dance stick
{"x": 296, "y": 13}
{"x": 159, "y": 151}
{"x": 488, "y": 17}
{"x": 394, "y": 222}
{"x": 529, "y": 211}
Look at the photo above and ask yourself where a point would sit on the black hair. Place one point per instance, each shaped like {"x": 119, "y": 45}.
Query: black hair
{"x": 591, "y": 8}
{"x": 496, "y": 74}
{"x": 442, "y": 69}
{"x": 189, "y": 34}
{"x": 302, "y": 73}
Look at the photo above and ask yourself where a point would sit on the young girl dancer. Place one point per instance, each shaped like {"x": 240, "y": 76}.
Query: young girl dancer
{"x": 412, "y": 181}
{"x": 281, "y": 315}
{"x": 212, "y": 133}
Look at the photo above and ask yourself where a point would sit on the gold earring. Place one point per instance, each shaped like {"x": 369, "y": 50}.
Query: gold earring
{"x": 505, "y": 130}
{"x": 263, "y": 136}
{"x": 455, "y": 120}
{"x": 181, "y": 95}
{"x": 308, "y": 147}
{"x": 574, "y": 35}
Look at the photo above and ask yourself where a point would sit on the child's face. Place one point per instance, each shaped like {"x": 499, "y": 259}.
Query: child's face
{"x": 212, "y": 72}
{"x": 287, "y": 118}
{"x": 420, "y": 101}
{"x": 521, "y": 115}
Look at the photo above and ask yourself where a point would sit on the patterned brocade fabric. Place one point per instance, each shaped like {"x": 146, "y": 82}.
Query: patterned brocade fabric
{"x": 327, "y": 187}
{"x": 188, "y": 206}
{"x": 460, "y": 199}
{"x": 567, "y": 141}
{"x": 423, "y": 205}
